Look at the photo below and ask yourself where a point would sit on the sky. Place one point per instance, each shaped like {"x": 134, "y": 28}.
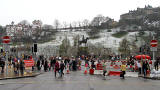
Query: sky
{"x": 66, "y": 10}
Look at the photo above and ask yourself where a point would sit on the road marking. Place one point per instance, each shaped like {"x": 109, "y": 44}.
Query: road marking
{"x": 1, "y": 83}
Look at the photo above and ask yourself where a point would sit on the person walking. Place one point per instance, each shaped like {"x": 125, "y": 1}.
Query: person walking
{"x": 104, "y": 65}
{"x": 46, "y": 66}
{"x": 139, "y": 67}
{"x": 123, "y": 70}
{"x": 62, "y": 66}
{"x": 56, "y": 69}
{"x": 2, "y": 64}
{"x": 156, "y": 64}
{"x": 74, "y": 65}
{"x": 38, "y": 65}
{"x": 65, "y": 61}
{"x": 21, "y": 64}
{"x": 145, "y": 67}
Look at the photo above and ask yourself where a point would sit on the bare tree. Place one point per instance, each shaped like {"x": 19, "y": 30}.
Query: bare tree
{"x": 85, "y": 23}
{"x": 74, "y": 24}
{"x": 24, "y": 22}
{"x": 56, "y": 23}
{"x": 64, "y": 25}
{"x": 47, "y": 27}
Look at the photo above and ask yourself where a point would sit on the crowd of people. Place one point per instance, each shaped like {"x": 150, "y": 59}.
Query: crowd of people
{"x": 59, "y": 64}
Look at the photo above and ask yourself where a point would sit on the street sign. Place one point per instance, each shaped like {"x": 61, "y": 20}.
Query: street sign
{"x": 6, "y": 39}
{"x": 154, "y": 43}
{"x": 153, "y": 49}
{"x": 29, "y": 63}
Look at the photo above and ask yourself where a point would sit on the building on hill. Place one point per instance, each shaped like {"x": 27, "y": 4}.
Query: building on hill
{"x": 140, "y": 13}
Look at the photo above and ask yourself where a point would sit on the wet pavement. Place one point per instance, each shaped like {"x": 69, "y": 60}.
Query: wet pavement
{"x": 78, "y": 81}
{"x": 12, "y": 75}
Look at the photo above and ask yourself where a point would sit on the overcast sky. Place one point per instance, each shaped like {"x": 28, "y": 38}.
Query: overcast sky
{"x": 66, "y": 10}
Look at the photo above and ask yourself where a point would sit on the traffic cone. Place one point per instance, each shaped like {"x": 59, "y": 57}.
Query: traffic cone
{"x": 85, "y": 71}
{"x": 67, "y": 69}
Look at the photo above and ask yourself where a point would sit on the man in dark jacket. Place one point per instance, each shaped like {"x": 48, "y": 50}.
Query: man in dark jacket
{"x": 38, "y": 65}
{"x": 46, "y": 66}
{"x": 21, "y": 66}
{"x": 74, "y": 65}
{"x": 145, "y": 67}
{"x": 62, "y": 66}
{"x": 2, "y": 64}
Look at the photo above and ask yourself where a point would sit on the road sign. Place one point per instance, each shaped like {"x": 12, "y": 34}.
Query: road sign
{"x": 154, "y": 43}
{"x": 153, "y": 49}
{"x": 29, "y": 63}
{"x": 6, "y": 39}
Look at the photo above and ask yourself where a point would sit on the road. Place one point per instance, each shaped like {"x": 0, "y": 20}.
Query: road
{"x": 78, "y": 81}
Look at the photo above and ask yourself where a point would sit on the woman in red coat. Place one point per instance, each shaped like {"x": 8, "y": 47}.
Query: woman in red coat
{"x": 56, "y": 67}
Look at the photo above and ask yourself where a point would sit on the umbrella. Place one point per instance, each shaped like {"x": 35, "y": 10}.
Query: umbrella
{"x": 139, "y": 57}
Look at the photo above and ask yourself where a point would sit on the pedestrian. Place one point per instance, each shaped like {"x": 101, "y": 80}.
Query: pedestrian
{"x": 156, "y": 64}
{"x": 65, "y": 61}
{"x": 104, "y": 65}
{"x": 51, "y": 63}
{"x": 74, "y": 65}
{"x": 123, "y": 70}
{"x": 56, "y": 69}
{"x": 139, "y": 67}
{"x": 93, "y": 64}
{"x": 145, "y": 67}
{"x": 42, "y": 62}
{"x": 21, "y": 66}
{"x": 15, "y": 65}
{"x": 62, "y": 66}
{"x": 38, "y": 65}
{"x": 45, "y": 65}
{"x": 70, "y": 64}
{"x": 2, "y": 64}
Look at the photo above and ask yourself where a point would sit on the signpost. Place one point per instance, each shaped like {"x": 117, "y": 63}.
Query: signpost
{"x": 6, "y": 40}
{"x": 153, "y": 44}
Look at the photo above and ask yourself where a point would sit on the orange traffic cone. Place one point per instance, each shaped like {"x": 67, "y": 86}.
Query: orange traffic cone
{"x": 67, "y": 69}
{"x": 85, "y": 71}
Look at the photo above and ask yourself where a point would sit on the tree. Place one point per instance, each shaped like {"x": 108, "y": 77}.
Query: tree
{"x": 24, "y": 22}
{"x": 64, "y": 25}
{"x": 47, "y": 27}
{"x": 85, "y": 23}
{"x": 134, "y": 48}
{"x": 64, "y": 47}
{"x": 98, "y": 20}
{"x": 124, "y": 47}
{"x": 2, "y": 32}
{"x": 74, "y": 24}
{"x": 56, "y": 23}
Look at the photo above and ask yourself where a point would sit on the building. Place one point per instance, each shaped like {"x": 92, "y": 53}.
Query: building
{"x": 140, "y": 13}
{"x": 23, "y": 30}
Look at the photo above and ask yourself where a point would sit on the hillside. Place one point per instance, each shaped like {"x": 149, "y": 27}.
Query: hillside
{"x": 106, "y": 39}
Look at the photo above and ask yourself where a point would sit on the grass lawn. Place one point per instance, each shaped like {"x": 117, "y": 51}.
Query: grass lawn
{"x": 120, "y": 34}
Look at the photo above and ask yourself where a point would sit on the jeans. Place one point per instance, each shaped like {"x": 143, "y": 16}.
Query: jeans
{"x": 144, "y": 72}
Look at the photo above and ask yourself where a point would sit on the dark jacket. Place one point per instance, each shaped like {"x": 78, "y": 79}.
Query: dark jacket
{"x": 62, "y": 66}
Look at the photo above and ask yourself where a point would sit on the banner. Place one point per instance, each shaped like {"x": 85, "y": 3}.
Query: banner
{"x": 29, "y": 63}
